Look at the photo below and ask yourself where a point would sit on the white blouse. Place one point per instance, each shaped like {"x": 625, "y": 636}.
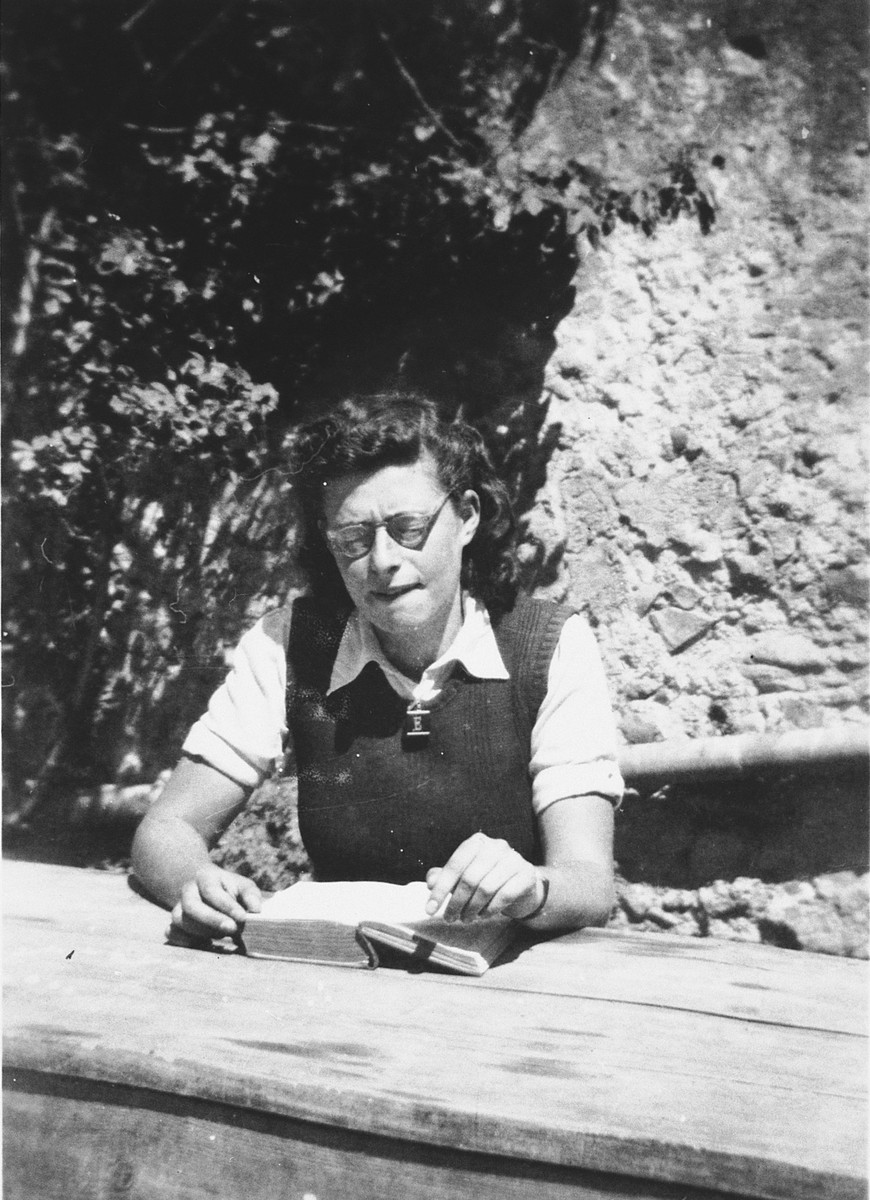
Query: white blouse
{"x": 573, "y": 743}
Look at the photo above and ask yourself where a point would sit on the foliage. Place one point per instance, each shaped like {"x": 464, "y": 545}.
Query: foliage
{"x": 214, "y": 214}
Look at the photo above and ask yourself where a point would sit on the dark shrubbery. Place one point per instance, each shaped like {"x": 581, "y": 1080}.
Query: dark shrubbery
{"x": 217, "y": 214}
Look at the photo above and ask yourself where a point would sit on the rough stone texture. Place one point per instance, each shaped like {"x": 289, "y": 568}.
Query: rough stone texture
{"x": 707, "y": 398}
{"x": 827, "y": 914}
{"x": 708, "y": 393}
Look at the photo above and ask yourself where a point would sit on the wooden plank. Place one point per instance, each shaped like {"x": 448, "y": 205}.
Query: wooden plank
{"x": 753, "y": 983}
{"x": 630, "y": 1086}
{"x": 297, "y": 993}
{"x": 74, "y": 1140}
{"x": 762, "y": 983}
{"x": 582, "y": 1091}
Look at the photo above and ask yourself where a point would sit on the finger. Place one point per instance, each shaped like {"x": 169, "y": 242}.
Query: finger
{"x": 466, "y": 902}
{"x": 208, "y": 912}
{"x": 433, "y": 905}
{"x": 199, "y": 921}
{"x": 468, "y": 896}
{"x": 452, "y": 871}
{"x": 499, "y": 888}
{"x": 248, "y": 895}
{"x": 519, "y": 890}
{"x": 219, "y": 892}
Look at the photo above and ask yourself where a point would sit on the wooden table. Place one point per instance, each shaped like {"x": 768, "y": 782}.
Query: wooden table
{"x": 591, "y": 1065}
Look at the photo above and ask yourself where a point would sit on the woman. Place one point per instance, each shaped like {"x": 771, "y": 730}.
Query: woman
{"x": 443, "y": 730}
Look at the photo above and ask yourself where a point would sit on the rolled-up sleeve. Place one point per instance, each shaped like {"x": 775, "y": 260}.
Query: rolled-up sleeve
{"x": 573, "y": 745}
{"x": 242, "y": 732}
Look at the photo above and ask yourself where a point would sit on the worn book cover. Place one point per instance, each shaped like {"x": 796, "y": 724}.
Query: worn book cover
{"x": 352, "y": 922}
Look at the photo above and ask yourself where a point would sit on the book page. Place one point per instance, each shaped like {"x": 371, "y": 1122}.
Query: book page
{"x": 473, "y": 935}
{"x": 348, "y": 903}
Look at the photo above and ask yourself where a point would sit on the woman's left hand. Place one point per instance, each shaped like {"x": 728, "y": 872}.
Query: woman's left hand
{"x": 486, "y": 878}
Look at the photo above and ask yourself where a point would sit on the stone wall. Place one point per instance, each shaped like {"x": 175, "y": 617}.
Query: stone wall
{"x": 706, "y": 498}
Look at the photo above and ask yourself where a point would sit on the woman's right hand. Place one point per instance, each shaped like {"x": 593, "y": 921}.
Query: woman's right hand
{"x": 171, "y": 852}
{"x": 215, "y": 902}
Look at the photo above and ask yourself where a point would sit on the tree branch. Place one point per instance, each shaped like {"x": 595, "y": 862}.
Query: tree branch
{"x": 421, "y": 99}
{"x": 29, "y": 284}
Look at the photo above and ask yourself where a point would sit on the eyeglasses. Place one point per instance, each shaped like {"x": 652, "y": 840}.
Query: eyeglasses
{"x": 406, "y": 529}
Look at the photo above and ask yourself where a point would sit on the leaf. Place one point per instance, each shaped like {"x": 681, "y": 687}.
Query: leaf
{"x": 531, "y": 201}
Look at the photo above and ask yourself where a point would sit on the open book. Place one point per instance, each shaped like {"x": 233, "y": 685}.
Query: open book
{"x": 348, "y": 923}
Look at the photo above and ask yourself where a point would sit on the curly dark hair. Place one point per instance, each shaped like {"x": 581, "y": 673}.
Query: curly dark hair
{"x": 365, "y": 433}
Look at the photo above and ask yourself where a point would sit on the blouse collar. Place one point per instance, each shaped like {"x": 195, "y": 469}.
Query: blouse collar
{"x": 474, "y": 647}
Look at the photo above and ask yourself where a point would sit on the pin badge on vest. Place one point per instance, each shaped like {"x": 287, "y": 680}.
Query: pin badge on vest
{"x": 417, "y": 724}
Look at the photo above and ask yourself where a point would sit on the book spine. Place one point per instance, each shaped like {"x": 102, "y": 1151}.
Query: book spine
{"x": 368, "y": 945}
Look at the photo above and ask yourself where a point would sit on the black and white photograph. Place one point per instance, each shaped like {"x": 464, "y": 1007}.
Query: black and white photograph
{"x": 435, "y": 599}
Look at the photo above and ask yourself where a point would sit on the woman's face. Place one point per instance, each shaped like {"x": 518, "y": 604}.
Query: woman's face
{"x": 411, "y": 596}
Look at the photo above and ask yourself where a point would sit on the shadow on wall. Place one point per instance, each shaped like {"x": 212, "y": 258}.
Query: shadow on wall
{"x": 479, "y": 344}
{"x": 774, "y": 829}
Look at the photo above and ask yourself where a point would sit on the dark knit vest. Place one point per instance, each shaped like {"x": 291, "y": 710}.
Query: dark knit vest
{"x": 372, "y": 805}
